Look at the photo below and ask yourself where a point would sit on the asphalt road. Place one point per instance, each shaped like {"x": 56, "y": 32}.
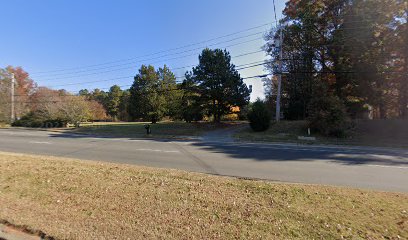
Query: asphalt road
{"x": 361, "y": 167}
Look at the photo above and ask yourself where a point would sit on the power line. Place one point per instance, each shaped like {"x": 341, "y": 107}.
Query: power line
{"x": 62, "y": 74}
{"x": 158, "y": 57}
{"x": 125, "y": 77}
{"x": 96, "y": 81}
{"x": 114, "y": 70}
{"x": 258, "y": 76}
{"x": 160, "y": 52}
{"x": 123, "y": 86}
{"x": 274, "y": 10}
{"x": 74, "y": 94}
{"x": 340, "y": 72}
{"x": 173, "y": 49}
{"x": 239, "y": 67}
{"x": 161, "y": 60}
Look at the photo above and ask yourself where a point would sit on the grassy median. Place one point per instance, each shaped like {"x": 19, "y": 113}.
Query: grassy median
{"x": 72, "y": 199}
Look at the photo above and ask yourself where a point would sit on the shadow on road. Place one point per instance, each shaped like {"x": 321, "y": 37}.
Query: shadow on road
{"x": 277, "y": 152}
{"x": 283, "y": 152}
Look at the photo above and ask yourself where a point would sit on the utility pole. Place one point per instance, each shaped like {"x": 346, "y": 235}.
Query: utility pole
{"x": 278, "y": 96}
{"x": 12, "y": 97}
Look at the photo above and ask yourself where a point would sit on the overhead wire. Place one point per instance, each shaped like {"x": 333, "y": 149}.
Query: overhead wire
{"x": 158, "y": 57}
{"x": 159, "y": 52}
{"x": 110, "y": 79}
{"x": 169, "y": 50}
{"x": 161, "y": 60}
{"x": 122, "y": 86}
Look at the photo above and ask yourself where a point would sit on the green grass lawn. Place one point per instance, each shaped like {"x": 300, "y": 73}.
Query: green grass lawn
{"x": 161, "y": 129}
{"x": 383, "y": 133}
{"x": 72, "y": 199}
{"x": 284, "y": 131}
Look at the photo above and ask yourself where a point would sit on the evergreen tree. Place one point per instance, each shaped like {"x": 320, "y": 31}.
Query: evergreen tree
{"x": 172, "y": 95}
{"x": 84, "y": 93}
{"x": 354, "y": 47}
{"x": 147, "y": 99}
{"x": 113, "y": 101}
{"x": 219, "y": 84}
{"x": 191, "y": 108}
{"x": 124, "y": 106}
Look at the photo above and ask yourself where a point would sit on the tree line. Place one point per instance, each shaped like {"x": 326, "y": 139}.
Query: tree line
{"x": 356, "y": 49}
{"x": 212, "y": 88}
{"x": 209, "y": 91}
{"x": 341, "y": 59}
{"x": 36, "y": 106}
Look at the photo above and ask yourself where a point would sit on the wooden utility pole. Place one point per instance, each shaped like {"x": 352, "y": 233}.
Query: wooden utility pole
{"x": 278, "y": 96}
{"x": 12, "y": 115}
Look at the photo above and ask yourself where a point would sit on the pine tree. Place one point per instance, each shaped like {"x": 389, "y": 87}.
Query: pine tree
{"x": 147, "y": 101}
{"x": 219, "y": 84}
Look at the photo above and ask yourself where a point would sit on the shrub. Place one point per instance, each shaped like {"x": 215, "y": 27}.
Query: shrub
{"x": 243, "y": 114}
{"x": 33, "y": 120}
{"x": 230, "y": 117}
{"x": 54, "y": 123}
{"x": 193, "y": 113}
{"x": 259, "y": 117}
{"x": 28, "y": 120}
{"x": 328, "y": 116}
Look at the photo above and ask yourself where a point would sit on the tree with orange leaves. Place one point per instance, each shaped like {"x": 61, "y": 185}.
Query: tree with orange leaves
{"x": 24, "y": 86}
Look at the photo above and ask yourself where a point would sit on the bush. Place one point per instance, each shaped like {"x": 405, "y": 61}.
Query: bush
{"x": 328, "y": 116}
{"x": 193, "y": 113}
{"x": 32, "y": 120}
{"x": 243, "y": 114}
{"x": 230, "y": 117}
{"x": 54, "y": 123}
{"x": 28, "y": 120}
{"x": 259, "y": 117}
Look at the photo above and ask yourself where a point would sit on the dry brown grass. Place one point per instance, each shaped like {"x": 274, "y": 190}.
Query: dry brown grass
{"x": 71, "y": 199}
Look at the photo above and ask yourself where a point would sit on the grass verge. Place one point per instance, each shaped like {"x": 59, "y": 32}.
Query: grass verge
{"x": 284, "y": 131}
{"x": 377, "y": 133}
{"x": 159, "y": 130}
{"x": 72, "y": 199}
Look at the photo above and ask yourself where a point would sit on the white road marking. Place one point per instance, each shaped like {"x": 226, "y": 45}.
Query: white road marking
{"x": 40, "y": 142}
{"x": 387, "y": 166}
{"x": 155, "y": 150}
{"x": 119, "y": 140}
{"x": 372, "y": 156}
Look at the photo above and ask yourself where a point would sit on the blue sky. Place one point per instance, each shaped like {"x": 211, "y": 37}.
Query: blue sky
{"x": 71, "y": 42}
